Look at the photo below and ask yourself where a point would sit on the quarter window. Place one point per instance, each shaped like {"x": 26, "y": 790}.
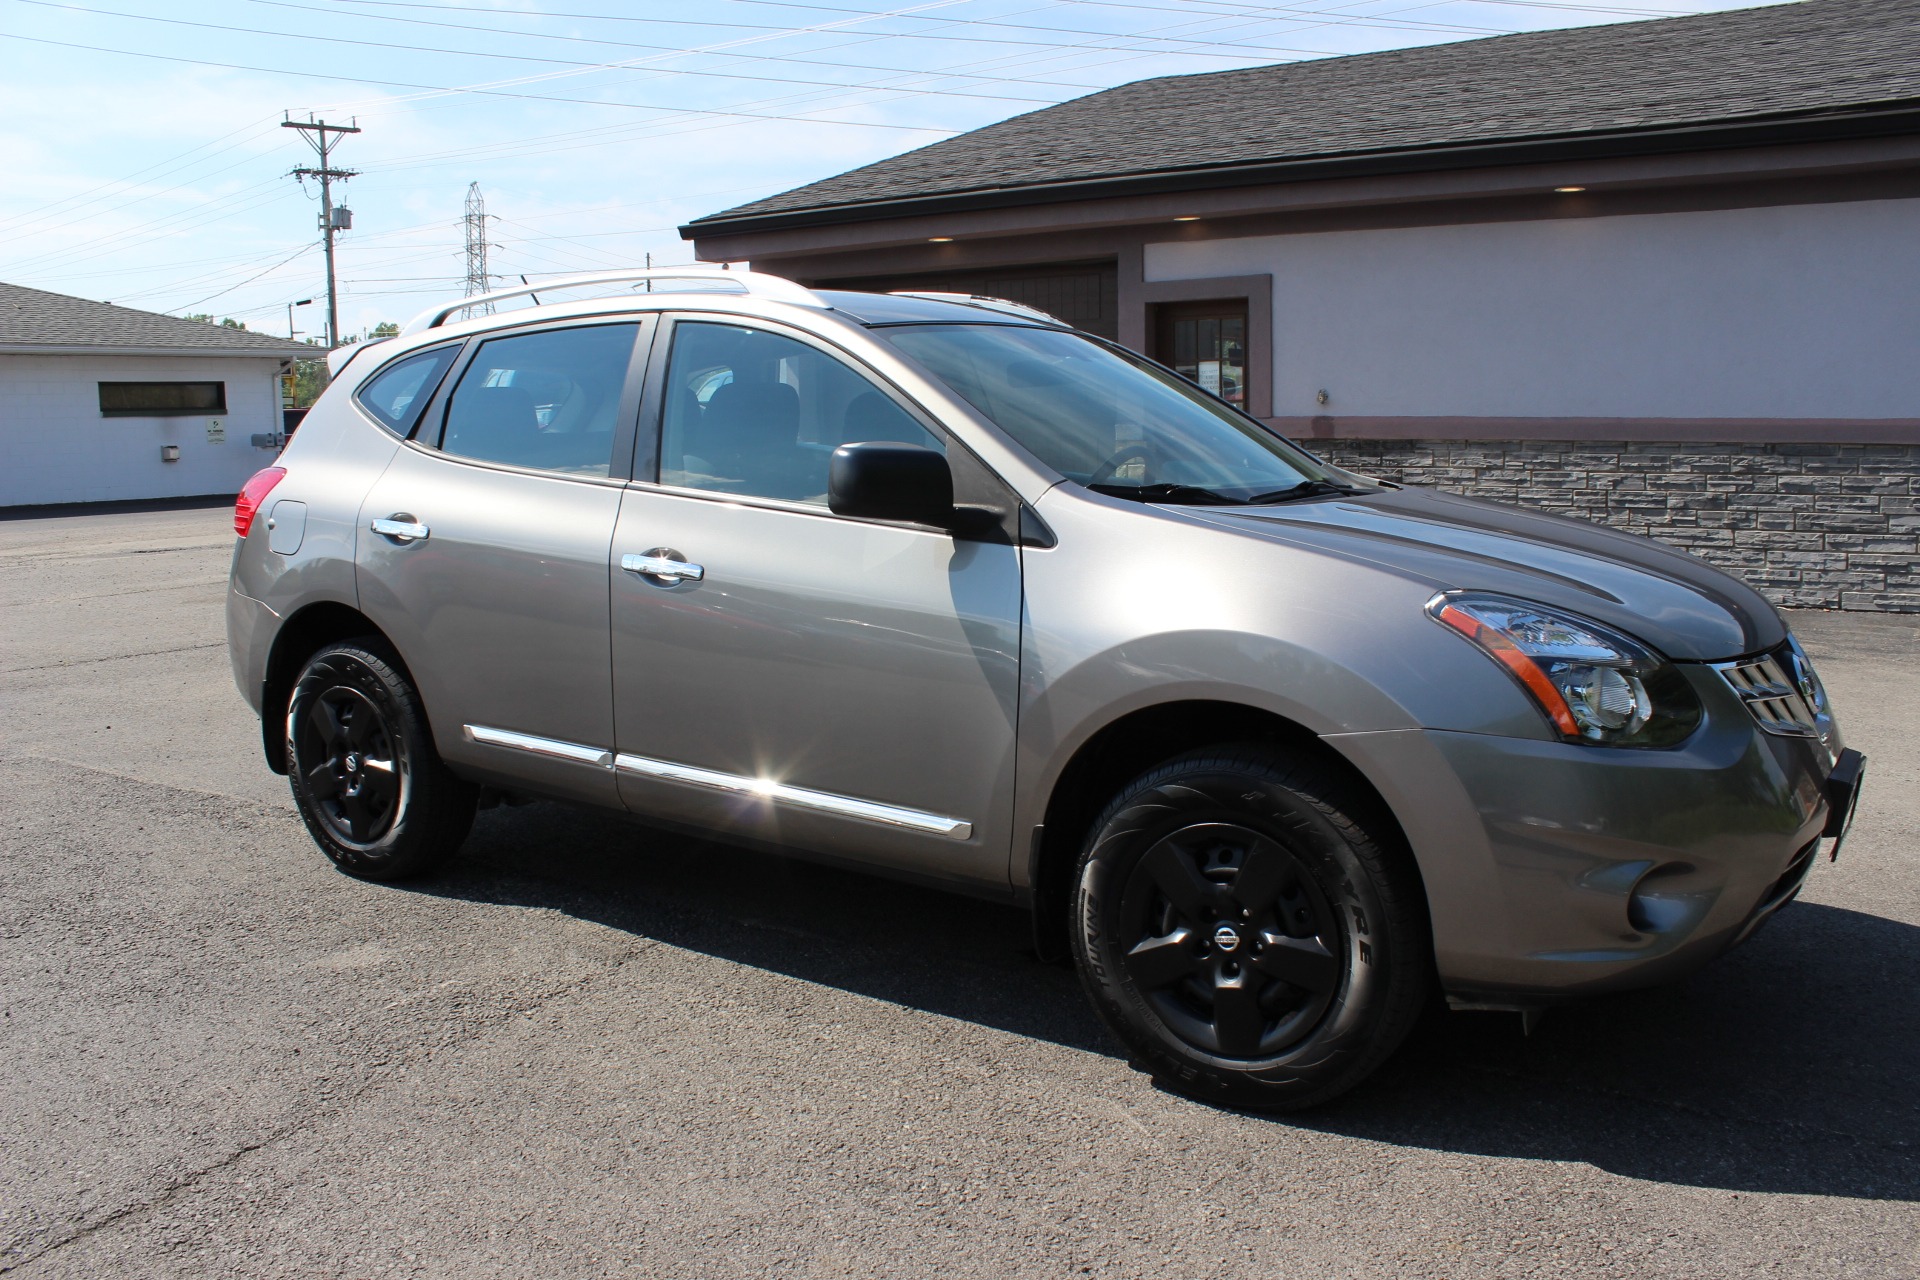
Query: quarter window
{"x": 398, "y": 393}
{"x": 548, "y": 400}
{"x": 755, "y": 413}
{"x": 161, "y": 399}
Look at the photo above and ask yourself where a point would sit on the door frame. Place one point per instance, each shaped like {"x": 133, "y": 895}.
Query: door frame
{"x": 1255, "y": 291}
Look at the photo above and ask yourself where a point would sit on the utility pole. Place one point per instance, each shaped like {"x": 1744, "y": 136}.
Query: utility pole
{"x": 478, "y": 278}
{"x": 331, "y": 219}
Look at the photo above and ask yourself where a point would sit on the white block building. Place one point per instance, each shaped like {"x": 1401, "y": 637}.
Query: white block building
{"x": 103, "y": 403}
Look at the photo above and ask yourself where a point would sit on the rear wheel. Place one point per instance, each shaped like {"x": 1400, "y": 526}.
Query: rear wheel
{"x": 366, "y": 778}
{"x": 1247, "y": 932}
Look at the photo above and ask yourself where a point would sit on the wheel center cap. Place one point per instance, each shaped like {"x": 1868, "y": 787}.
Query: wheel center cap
{"x": 353, "y": 763}
{"x": 1227, "y": 938}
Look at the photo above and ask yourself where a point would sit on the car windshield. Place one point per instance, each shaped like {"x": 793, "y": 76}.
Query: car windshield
{"x": 1113, "y": 423}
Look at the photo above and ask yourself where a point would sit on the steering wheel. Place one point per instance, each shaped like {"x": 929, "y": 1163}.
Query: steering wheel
{"x": 1110, "y": 469}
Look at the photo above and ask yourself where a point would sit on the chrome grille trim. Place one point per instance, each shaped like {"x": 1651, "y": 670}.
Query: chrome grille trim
{"x": 1770, "y": 694}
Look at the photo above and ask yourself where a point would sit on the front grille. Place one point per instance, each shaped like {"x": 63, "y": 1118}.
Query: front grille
{"x": 1768, "y": 687}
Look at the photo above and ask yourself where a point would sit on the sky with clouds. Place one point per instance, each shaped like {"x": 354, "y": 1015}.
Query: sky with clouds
{"x": 146, "y": 164}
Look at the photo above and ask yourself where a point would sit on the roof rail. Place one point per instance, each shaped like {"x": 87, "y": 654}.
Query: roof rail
{"x": 758, "y": 283}
{"x": 985, "y": 304}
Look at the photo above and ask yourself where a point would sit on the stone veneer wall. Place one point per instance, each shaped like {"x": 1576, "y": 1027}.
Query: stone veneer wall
{"x": 1810, "y": 525}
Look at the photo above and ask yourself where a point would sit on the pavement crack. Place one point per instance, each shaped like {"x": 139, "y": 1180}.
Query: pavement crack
{"x": 371, "y": 1088}
{"x": 114, "y": 657}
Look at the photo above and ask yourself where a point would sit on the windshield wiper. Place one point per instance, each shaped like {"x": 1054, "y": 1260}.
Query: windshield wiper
{"x": 1184, "y": 494}
{"x": 1305, "y": 489}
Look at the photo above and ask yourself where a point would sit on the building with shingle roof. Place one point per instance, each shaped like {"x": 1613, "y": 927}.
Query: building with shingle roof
{"x": 1601, "y": 269}
{"x": 104, "y": 403}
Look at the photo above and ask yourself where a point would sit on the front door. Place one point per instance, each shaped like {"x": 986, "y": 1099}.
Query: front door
{"x": 483, "y": 555}
{"x": 843, "y": 686}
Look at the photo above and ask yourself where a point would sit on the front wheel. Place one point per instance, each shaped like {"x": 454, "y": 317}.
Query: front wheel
{"x": 366, "y": 778}
{"x": 1247, "y": 930}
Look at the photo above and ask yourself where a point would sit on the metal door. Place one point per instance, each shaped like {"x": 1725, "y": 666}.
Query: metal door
{"x": 842, "y": 686}
{"x": 836, "y": 685}
{"x": 491, "y": 578}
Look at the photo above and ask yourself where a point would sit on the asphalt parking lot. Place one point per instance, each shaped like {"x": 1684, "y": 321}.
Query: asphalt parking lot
{"x": 588, "y": 1050}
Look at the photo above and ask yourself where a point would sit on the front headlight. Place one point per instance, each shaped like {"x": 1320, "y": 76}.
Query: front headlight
{"x": 1594, "y": 684}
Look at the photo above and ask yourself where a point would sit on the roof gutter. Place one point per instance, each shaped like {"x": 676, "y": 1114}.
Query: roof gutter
{"x": 53, "y": 349}
{"x": 1825, "y": 125}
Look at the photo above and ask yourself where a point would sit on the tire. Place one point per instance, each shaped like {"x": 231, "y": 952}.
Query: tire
{"x": 1248, "y": 932}
{"x": 371, "y": 788}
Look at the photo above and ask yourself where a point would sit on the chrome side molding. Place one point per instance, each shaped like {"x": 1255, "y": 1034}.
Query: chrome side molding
{"x": 554, "y": 747}
{"x": 798, "y": 797}
{"x": 840, "y": 806}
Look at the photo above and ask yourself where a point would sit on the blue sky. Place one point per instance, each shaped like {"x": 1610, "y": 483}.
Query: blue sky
{"x": 145, "y": 163}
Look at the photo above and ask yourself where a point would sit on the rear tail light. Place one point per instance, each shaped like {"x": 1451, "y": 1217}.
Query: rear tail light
{"x": 255, "y": 492}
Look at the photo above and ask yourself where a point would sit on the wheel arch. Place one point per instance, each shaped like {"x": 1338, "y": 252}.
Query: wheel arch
{"x": 303, "y": 634}
{"x": 1128, "y": 746}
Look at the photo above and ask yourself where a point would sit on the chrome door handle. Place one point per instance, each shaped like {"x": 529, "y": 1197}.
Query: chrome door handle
{"x": 663, "y": 565}
{"x": 400, "y": 530}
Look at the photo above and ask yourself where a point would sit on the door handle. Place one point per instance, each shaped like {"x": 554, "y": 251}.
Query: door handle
{"x": 402, "y": 528}
{"x": 663, "y": 566}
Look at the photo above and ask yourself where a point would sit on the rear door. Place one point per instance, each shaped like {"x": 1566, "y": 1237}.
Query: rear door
{"x": 844, "y": 686}
{"x": 483, "y": 552}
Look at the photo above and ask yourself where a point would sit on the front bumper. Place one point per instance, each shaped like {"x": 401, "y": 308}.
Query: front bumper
{"x": 1555, "y": 868}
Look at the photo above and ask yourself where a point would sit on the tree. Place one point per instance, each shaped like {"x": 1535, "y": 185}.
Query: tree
{"x": 228, "y": 323}
{"x": 385, "y": 329}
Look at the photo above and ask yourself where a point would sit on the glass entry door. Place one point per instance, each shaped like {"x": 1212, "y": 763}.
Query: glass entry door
{"x": 1207, "y": 342}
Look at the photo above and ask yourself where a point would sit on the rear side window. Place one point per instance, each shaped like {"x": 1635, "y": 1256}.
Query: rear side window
{"x": 398, "y": 393}
{"x": 549, "y": 401}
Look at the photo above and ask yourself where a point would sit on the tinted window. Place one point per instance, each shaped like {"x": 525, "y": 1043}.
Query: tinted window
{"x": 161, "y": 399}
{"x": 398, "y": 393}
{"x": 1104, "y": 420}
{"x": 753, "y": 412}
{"x": 544, "y": 400}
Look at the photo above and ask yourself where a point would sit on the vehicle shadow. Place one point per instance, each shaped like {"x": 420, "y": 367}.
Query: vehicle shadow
{"x": 1789, "y": 1066}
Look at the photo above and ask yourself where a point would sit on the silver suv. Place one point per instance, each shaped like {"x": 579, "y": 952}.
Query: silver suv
{"x": 939, "y": 586}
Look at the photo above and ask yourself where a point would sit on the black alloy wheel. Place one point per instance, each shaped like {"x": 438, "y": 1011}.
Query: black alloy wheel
{"x": 360, "y": 758}
{"x": 1251, "y": 928}
{"x": 358, "y": 775}
{"x": 1232, "y": 942}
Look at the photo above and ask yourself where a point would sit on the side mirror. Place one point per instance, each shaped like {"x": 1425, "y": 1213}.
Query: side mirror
{"x": 882, "y": 480}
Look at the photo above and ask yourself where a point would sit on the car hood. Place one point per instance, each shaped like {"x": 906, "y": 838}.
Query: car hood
{"x": 1682, "y": 606}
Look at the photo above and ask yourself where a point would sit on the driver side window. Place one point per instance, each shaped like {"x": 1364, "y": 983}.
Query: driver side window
{"x": 759, "y": 414}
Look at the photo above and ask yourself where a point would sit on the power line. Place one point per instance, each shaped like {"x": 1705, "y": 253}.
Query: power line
{"x": 864, "y": 15}
{"x": 493, "y": 93}
{"x": 503, "y": 57}
{"x": 249, "y": 280}
{"x": 662, "y": 48}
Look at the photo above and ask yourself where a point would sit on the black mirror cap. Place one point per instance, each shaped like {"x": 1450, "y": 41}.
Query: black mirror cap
{"x": 886, "y": 480}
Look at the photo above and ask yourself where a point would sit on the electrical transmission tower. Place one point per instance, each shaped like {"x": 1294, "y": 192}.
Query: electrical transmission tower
{"x": 478, "y": 278}
{"x": 331, "y": 219}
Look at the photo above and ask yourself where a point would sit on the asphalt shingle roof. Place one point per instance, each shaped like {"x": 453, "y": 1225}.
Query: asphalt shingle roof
{"x": 36, "y": 318}
{"x": 1801, "y": 57}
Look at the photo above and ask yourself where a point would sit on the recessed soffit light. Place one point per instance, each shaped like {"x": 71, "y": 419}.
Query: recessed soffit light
{"x": 1187, "y": 217}
{"x": 939, "y": 239}
{"x": 1569, "y": 190}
